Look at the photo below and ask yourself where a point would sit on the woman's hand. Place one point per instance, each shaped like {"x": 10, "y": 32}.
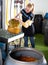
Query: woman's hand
{"x": 25, "y": 24}
{"x": 16, "y": 18}
{"x": 19, "y": 20}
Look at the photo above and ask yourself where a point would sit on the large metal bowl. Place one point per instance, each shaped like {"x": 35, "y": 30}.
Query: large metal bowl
{"x": 24, "y": 52}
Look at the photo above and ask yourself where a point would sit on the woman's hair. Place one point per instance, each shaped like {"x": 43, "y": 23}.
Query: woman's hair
{"x": 30, "y": 6}
{"x": 33, "y": 7}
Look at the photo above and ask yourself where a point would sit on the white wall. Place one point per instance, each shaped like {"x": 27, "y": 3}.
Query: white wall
{"x": 41, "y": 6}
{"x": 3, "y": 15}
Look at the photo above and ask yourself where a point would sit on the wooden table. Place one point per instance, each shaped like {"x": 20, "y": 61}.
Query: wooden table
{"x": 7, "y": 37}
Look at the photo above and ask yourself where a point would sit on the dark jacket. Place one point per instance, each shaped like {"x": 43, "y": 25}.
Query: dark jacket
{"x": 27, "y": 16}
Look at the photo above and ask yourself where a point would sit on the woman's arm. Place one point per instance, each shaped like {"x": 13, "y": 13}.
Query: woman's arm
{"x": 20, "y": 20}
{"x": 17, "y": 15}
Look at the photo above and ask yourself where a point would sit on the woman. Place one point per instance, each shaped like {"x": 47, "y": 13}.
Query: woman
{"x": 27, "y": 14}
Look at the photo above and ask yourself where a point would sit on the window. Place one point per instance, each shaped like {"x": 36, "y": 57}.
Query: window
{"x": 19, "y": 4}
